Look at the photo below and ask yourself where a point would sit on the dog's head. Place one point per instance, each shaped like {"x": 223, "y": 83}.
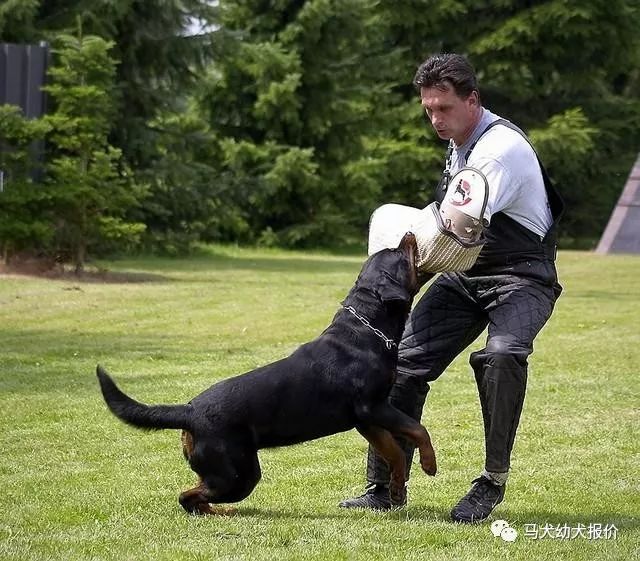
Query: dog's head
{"x": 391, "y": 273}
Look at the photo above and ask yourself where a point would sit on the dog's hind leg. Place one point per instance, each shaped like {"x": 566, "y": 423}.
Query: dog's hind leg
{"x": 224, "y": 486}
{"x": 198, "y": 499}
{"x": 228, "y": 472}
{"x": 388, "y": 448}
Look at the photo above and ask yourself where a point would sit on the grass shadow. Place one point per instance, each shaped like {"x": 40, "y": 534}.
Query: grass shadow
{"x": 409, "y": 513}
{"x": 284, "y": 514}
{"x": 91, "y": 276}
{"x": 220, "y": 261}
{"x": 153, "y": 269}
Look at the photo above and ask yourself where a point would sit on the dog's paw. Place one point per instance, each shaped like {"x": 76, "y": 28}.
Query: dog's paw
{"x": 430, "y": 469}
{"x": 397, "y": 496}
{"x": 428, "y": 461}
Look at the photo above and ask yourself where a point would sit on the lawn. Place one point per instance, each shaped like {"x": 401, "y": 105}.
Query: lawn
{"x": 78, "y": 484}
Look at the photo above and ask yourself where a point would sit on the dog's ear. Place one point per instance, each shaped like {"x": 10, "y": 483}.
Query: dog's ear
{"x": 390, "y": 290}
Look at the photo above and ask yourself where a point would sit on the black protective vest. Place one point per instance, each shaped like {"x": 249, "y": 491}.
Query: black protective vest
{"x": 508, "y": 242}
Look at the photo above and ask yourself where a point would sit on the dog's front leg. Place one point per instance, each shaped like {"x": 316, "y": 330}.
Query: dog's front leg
{"x": 416, "y": 433}
{"x": 401, "y": 425}
{"x": 388, "y": 448}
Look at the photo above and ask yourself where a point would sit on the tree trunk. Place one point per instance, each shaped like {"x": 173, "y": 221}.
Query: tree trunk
{"x": 81, "y": 250}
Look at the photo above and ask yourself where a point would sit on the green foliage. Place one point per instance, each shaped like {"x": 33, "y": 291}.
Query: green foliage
{"x": 566, "y": 145}
{"x": 187, "y": 198}
{"x": 295, "y": 105}
{"x": 402, "y": 165}
{"x": 17, "y": 20}
{"x": 159, "y": 61}
{"x": 550, "y": 60}
{"x": 288, "y": 122}
{"x": 160, "y": 58}
{"x": 306, "y": 75}
{"x": 23, "y": 201}
{"x": 90, "y": 189}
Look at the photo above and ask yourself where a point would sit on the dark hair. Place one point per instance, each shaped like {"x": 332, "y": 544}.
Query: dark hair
{"x": 445, "y": 69}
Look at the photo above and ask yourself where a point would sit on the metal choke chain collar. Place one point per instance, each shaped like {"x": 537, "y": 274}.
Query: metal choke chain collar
{"x": 389, "y": 343}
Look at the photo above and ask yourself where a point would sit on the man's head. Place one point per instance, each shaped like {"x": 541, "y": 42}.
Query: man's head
{"x": 449, "y": 94}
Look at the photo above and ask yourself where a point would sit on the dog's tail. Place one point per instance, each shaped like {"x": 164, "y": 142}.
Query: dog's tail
{"x": 132, "y": 412}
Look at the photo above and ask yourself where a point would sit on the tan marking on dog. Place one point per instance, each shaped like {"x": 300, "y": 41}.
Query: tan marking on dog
{"x": 187, "y": 444}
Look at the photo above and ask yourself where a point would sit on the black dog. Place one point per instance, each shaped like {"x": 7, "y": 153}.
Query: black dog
{"x": 339, "y": 381}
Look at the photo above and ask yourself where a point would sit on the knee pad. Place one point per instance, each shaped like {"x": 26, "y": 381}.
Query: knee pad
{"x": 501, "y": 354}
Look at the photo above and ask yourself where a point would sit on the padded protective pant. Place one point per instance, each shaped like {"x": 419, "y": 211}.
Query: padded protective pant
{"x": 451, "y": 314}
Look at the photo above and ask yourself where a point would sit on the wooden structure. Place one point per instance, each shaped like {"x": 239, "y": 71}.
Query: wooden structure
{"x": 622, "y": 234}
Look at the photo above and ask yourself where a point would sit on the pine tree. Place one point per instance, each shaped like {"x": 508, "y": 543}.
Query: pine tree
{"x": 90, "y": 189}
{"x": 23, "y": 201}
{"x": 17, "y": 21}
{"x": 297, "y": 101}
{"x": 159, "y": 59}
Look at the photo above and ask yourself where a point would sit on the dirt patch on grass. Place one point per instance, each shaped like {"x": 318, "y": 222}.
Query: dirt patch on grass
{"x": 50, "y": 269}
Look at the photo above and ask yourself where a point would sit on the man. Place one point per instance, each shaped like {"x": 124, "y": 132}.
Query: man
{"x": 511, "y": 289}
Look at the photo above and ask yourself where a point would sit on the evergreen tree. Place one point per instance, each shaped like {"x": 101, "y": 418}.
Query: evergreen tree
{"x": 17, "y": 21}
{"x": 307, "y": 120}
{"x": 90, "y": 189}
{"x": 23, "y": 202}
{"x": 187, "y": 201}
{"x": 298, "y": 101}
{"x": 159, "y": 57}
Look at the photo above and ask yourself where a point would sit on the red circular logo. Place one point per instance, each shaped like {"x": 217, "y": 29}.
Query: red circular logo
{"x": 461, "y": 194}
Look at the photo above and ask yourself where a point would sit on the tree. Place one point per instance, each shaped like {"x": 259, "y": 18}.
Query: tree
{"x": 17, "y": 21}
{"x": 90, "y": 187}
{"x": 161, "y": 53}
{"x": 288, "y": 122}
{"x": 188, "y": 198}
{"x": 299, "y": 89}
{"x": 23, "y": 202}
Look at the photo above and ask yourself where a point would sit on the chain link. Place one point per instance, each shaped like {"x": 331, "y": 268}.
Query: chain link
{"x": 389, "y": 343}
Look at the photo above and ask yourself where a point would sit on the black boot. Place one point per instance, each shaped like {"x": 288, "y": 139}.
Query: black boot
{"x": 407, "y": 394}
{"x": 479, "y": 502}
{"x": 376, "y": 497}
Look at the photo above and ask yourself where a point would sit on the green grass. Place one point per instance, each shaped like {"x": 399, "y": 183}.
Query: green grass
{"x": 78, "y": 484}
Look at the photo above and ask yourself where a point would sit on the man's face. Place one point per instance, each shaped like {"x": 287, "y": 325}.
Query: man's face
{"x": 451, "y": 116}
